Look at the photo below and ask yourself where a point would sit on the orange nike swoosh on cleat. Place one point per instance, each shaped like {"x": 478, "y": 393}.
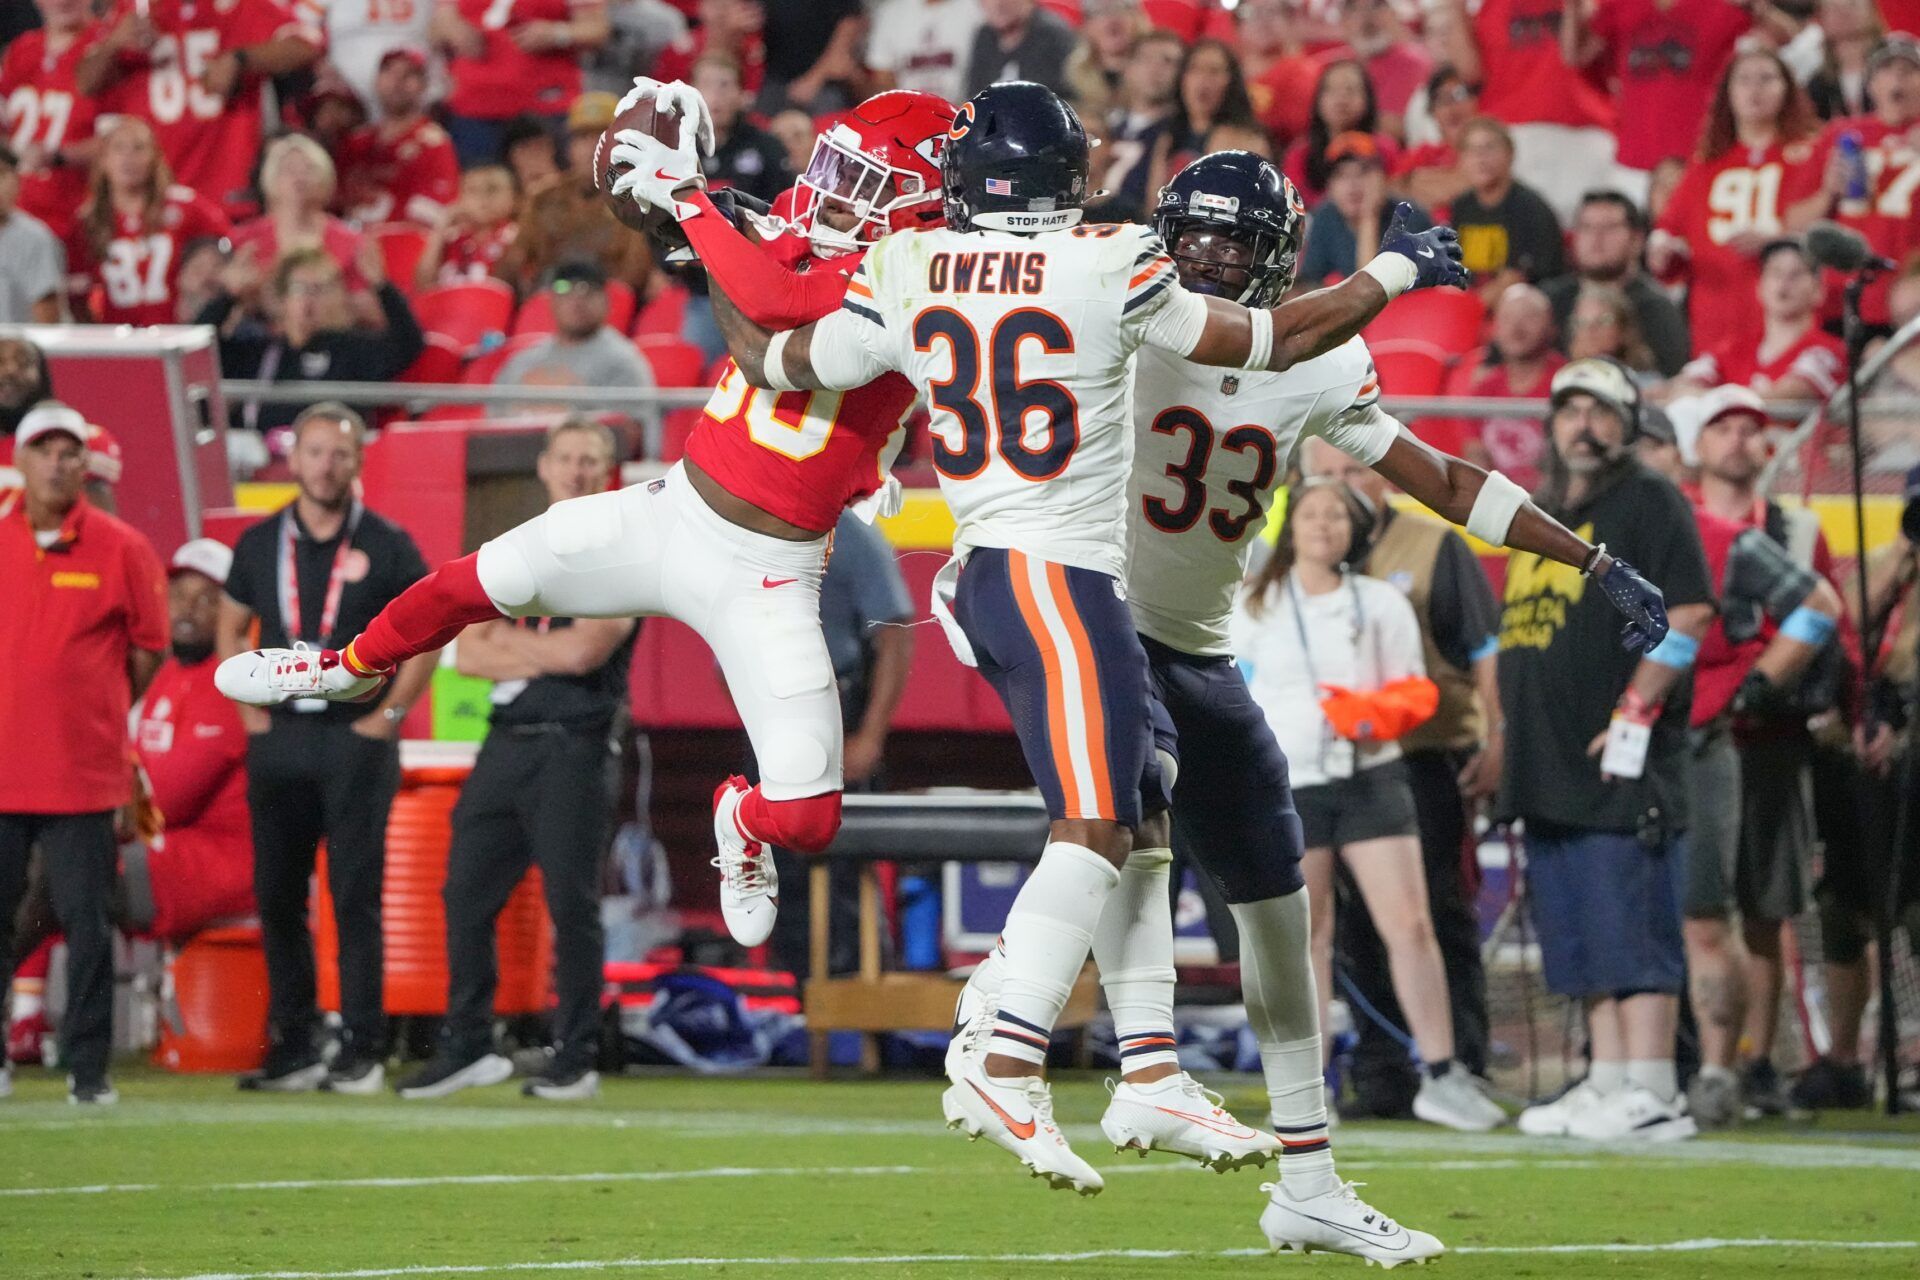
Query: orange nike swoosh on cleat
{"x": 1020, "y": 1131}
{"x": 776, "y": 582}
{"x": 1234, "y": 1131}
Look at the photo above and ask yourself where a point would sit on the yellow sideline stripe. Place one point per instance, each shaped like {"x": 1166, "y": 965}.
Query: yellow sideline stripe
{"x": 925, "y": 523}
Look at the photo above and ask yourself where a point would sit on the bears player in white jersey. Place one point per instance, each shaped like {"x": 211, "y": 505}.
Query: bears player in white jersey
{"x": 1020, "y": 324}
{"x": 733, "y": 540}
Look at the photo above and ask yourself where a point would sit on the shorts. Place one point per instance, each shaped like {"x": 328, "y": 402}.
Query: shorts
{"x": 1606, "y": 907}
{"x": 1752, "y": 831}
{"x": 1231, "y": 801}
{"x": 1057, "y": 644}
{"x": 1373, "y": 804}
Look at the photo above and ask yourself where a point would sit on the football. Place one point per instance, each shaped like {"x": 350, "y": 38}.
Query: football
{"x": 656, "y": 224}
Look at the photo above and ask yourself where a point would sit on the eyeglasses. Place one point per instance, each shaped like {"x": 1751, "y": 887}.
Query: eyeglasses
{"x": 1457, "y": 93}
{"x": 561, "y": 288}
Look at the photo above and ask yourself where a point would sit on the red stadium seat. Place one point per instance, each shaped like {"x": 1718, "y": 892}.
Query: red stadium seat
{"x": 663, "y": 313}
{"x": 1449, "y": 319}
{"x": 1409, "y": 367}
{"x": 676, "y": 362}
{"x": 621, "y": 304}
{"x": 674, "y": 430}
{"x": 466, "y": 312}
{"x": 440, "y": 362}
{"x": 401, "y": 246}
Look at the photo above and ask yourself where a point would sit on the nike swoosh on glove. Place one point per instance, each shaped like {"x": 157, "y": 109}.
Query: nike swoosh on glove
{"x": 676, "y": 97}
{"x": 655, "y": 173}
{"x": 1642, "y": 603}
{"x": 1435, "y": 252}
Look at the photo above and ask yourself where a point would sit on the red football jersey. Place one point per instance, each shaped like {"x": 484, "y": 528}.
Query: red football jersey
{"x": 505, "y": 80}
{"x": 41, "y": 106}
{"x": 410, "y": 177}
{"x": 472, "y": 255}
{"x": 1524, "y": 80}
{"x": 1887, "y": 216}
{"x": 800, "y": 455}
{"x": 138, "y": 271}
{"x": 212, "y": 143}
{"x": 1816, "y": 355}
{"x": 1717, "y": 201}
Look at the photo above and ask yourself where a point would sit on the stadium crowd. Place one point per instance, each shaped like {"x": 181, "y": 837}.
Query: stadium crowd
{"x": 389, "y": 190}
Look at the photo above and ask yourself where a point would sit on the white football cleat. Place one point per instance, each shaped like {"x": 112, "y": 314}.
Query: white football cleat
{"x": 1555, "y": 1119}
{"x": 1339, "y": 1221}
{"x": 1457, "y": 1101}
{"x": 1180, "y": 1116}
{"x": 1634, "y": 1113}
{"x": 269, "y": 677}
{"x": 1017, "y": 1115}
{"x": 749, "y": 886}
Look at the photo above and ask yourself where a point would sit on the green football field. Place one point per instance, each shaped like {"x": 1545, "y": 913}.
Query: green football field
{"x": 778, "y": 1177}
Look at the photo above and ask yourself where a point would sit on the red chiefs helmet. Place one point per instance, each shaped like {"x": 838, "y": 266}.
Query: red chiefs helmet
{"x": 881, "y": 162}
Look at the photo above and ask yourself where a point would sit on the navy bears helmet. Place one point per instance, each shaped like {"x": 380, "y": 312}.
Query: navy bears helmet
{"x": 1246, "y": 197}
{"x": 1016, "y": 160}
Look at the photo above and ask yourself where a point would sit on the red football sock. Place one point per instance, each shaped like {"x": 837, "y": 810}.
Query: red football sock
{"x": 422, "y": 618}
{"x": 807, "y": 825}
{"x": 37, "y": 961}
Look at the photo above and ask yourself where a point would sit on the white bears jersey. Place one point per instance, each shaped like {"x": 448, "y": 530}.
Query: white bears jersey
{"x": 1211, "y": 446}
{"x": 1021, "y": 344}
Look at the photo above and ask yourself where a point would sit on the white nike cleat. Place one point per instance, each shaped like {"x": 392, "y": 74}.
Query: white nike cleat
{"x": 269, "y": 677}
{"x": 1017, "y": 1115}
{"x": 973, "y": 1014}
{"x": 1178, "y": 1115}
{"x": 1457, "y": 1100}
{"x": 749, "y": 886}
{"x": 1339, "y": 1221}
{"x": 1555, "y": 1119}
{"x": 1634, "y": 1114}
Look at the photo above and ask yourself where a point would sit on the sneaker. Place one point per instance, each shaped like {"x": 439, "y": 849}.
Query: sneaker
{"x": 1713, "y": 1099}
{"x": 1827, "y": 1085}
{"x": 1017, "y": 1115}
{"x": 1457, "y": 1100}
{"x": 1765, "y": 1091}
{"x": 1178, "y": 1115}
{"x": 563, "y": 1084}
{"x": 1339, "y": 1221}
{"x": 360, "y": 1075}
{"x": 449, "y": 1073}
{"x": 1634, "y": 1113}
{"x": 749, "y": 888}
{"x": 95, "y": 1093}
{"x": 1555, "y": 1118}
{"x": 269, "y": 677}
{"x": 28, "y": 1039}
{"x": 286, "y": 1070}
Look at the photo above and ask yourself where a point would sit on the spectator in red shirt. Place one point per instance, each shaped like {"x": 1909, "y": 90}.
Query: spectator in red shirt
{"x": 508, "y": 57}
{"x": 1887, "y": 169}
{"x": 1518, "y": 364}
{"x": 1431, "y": 174}
{"x": 1661, "y": 56}
{"x": 45, "y": 118}
{"x": 126, "y": 251}
{"x": 473, "y": 237}
{"x": 196, "y": 73}
{"x": 725, "y": 26}
{"x": 1280, "y": 72}
{"x": 1788, "y": 356}
{"x": 297, "y": 179}
{"x": 1396, "y": 64}
{"x": 402, "y": 169}
{"x": 82, "y": 634}
{"x": 1343, "y": 103}
{"x": 1214, "y": 114}
{"x": 1728, "y": 204}
{"x": 1561, "y": 118}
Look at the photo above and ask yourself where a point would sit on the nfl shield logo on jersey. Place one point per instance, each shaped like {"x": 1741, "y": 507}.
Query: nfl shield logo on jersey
{"x": 1229, "y": 384}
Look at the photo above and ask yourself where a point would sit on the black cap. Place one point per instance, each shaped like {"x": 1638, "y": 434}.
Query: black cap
{"x": 579, "y": 271}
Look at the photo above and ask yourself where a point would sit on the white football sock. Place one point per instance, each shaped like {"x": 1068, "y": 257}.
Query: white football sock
{"x": 1607, "y": 1077}
{"x": 1133, "y": 947}
{"x": 1657, "y": 1074}
{"x": 1283, "y": 1009}
{"x": 1045, "y": 943}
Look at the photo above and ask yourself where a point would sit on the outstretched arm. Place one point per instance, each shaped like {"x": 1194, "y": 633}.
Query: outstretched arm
{"x": 769, "y": 294}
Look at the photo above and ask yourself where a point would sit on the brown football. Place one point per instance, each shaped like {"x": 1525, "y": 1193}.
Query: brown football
{"x": 657, "y": 224}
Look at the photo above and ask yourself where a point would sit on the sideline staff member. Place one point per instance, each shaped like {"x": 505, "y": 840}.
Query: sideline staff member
{"x": 541, "y": 792}
{"x": 318, "y": 572}
{"x": 82, "y": 630}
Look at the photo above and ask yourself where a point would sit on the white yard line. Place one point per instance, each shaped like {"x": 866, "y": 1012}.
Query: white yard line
{"x": 468, "y": 1180}
{"x": 1706, "y": 1245}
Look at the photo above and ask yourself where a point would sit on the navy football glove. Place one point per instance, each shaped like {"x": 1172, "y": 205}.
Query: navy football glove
{"x": 1435, "y": 252}
{"x": 1641, "y": 601}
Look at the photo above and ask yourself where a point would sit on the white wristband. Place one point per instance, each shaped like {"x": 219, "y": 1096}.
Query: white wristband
{"x": 776, "y": 362}
{"x": 1493, "y": 511}
{"x": 1260, "y": 349}
{"x": 1394, "y": 271}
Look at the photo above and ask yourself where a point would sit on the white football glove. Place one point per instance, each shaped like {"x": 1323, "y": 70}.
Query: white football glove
{"x": 655, "y": 173}
{"x": 681, "y": 99}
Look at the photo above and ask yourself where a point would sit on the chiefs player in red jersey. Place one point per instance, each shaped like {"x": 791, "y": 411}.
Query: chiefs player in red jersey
{"x": 194, "y": 70}
{"x": 734, "y": 539}
{"x": 125, "y": 251}
{"x": 401, "y": 169}
{"x": 43, "y": 115}
{"x": 1729, "y": 202}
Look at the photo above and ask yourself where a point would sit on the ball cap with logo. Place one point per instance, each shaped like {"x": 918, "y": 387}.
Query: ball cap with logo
{"x": 1605, "y": 381}
{"x": 204, "y": 556}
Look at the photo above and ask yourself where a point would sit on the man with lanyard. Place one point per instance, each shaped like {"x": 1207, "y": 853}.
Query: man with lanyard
{"x": 1753, "y": 816}
{"x": 1596, "y": 759}
{"x": 314, "y": 575}
{"x": 540, "y": 793}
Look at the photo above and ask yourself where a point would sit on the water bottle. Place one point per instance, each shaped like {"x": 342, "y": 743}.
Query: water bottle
{"x": 1856, "y": 161}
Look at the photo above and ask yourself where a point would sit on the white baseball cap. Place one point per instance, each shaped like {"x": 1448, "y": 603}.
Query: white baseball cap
{"x": 47, "y": 418}
{"x": 1602, "y": 379}
{"x": 204, "y": 556}
{"x": 1731, "y": 398}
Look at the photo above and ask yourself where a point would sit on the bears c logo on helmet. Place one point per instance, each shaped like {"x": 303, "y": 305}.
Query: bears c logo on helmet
{"x": 962, "y": 121}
